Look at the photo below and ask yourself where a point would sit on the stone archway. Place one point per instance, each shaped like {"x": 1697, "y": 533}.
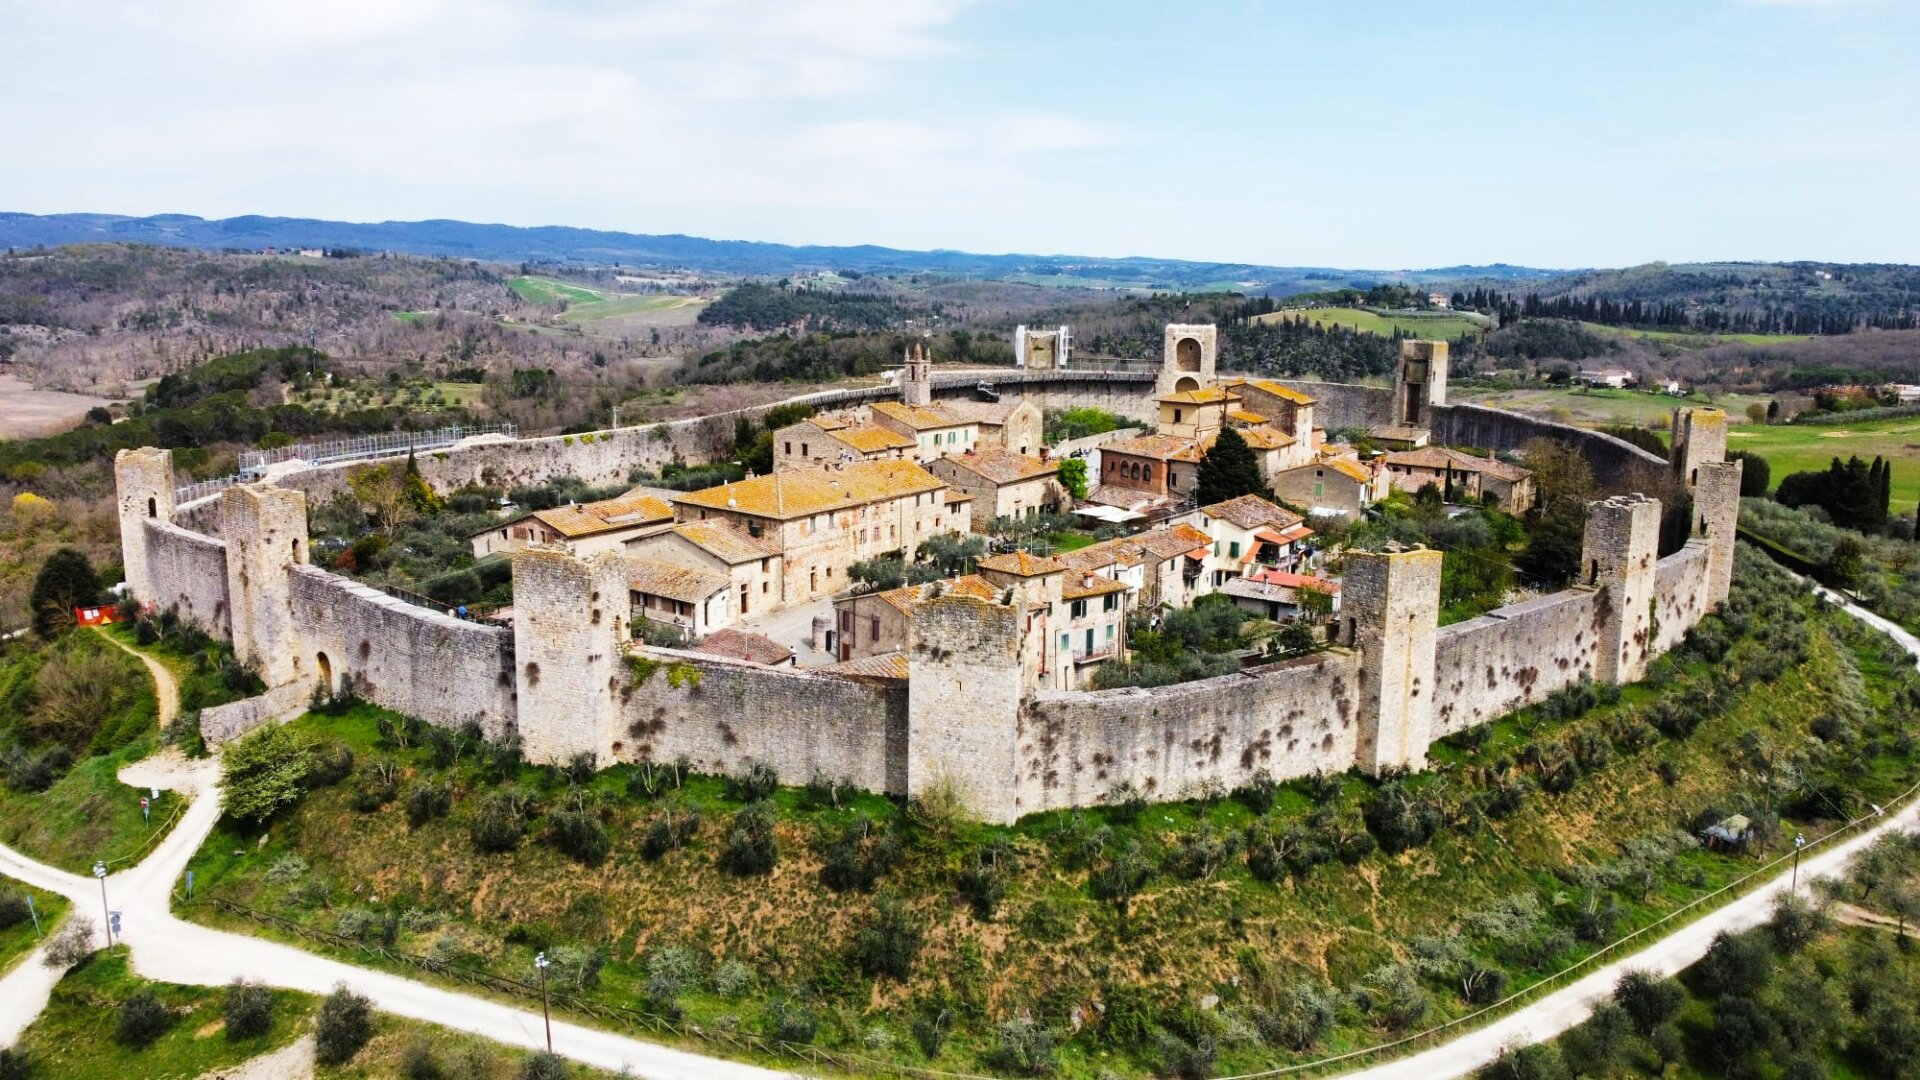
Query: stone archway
{"x": 1186, "y": 355}
{"x": 326, "y": 672}
{"x": 1185, "y": 384}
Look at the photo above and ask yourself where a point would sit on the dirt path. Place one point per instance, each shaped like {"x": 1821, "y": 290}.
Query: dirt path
{"x": 1857, "y": 916}
{"x": 293, "y": 1061}
{"x": 166, "y": 691}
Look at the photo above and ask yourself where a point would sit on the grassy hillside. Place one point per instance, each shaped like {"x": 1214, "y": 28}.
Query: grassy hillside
{"x": 1437, "y": 324}
{"x": 903, "y": 935}
{"x": 18, "y": 934}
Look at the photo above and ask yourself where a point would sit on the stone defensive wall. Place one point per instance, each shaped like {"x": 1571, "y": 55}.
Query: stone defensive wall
{"x": 1289, "y": 719}
{"x": 1618, "y": 465}
{"x": 189, "y": 574}
{"x": 410, "y": 659}
{"x": 723, "y": 716}
{"x": 567, "y": 679}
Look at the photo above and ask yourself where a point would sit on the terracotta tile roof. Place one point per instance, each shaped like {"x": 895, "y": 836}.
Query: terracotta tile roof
{"x": 1002, "y": 466}
{"x": 1295, "y": 581}
{"x": 1178, "y": 540}
{"x": 1260, "y": 438}
{"x": 1285, "y": 393}
{"x": 905, "y": 597}
{"x": 871, "y": 438}
{"x": 1022, "y": 564}
{"x": 917, "y": 417}
{"x": 892, "y": 665}
{"x": 743, "y": 645}
{"x": 828, "y": 423}
{"x": 725, "y": 541}
{"x": 1349, "y": 468}
{"x": 1124, "y": 498}
{"x": 586, "y": 519}
{"x": 1245, "y": 417}
{"x": 1442, "y": 457}
{"x": 1251, "y": 512}
{"x": 1120, "y": 551}
{"x": 1206, "y": 395}
{"x": 1158, "y": 447}
{"x": 984, "y": 413}
{"x": 1082, "y": 585}
{"x": 797, "y": 493}
{"x": 673, "y": 582}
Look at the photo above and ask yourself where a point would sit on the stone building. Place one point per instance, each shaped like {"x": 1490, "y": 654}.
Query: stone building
{"x": 1188, "y": 357}
{"x": 933, "y": 430}
{"x": 1087, "y": 615}
{"x": 753, "y": 567}
{"x": 821, "y": 521}
{"x": 1250, "y": 533}
{"x": 1002, "y": 484}
{"x": 875, "y": 623}
{"x": 1333, "y": 485}
{"x": 1017, "y": 427}
{"x": 693, "y": 602}
{"x": 831, "y": 440}
{"x": 578, "y": 528}
{"x": 1165, "y": 567}
{"x": 1462, "y": 477}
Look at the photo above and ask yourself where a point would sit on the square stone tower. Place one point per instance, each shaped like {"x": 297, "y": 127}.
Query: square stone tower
{"x": 143, "y": 479}
{"x": 1699, "y": 438}
{"x": 570, "y": 626}
{"x": 916, "y": 377}
{"x": 1716, "y": 519}
{"x": 1419, "y": 382}
{"x": 1618, "y": 556}
{"x": 1189, "y": 354}
{"x": 963, "y": 700}
{"x": 1391, "y": 601}
{"x": 266, "y": 533}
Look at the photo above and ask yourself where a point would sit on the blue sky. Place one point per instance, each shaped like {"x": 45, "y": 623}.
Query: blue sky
{"x": 1380, "y": 136}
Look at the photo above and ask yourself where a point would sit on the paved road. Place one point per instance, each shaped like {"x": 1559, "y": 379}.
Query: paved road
{"x": 171, "y": 950}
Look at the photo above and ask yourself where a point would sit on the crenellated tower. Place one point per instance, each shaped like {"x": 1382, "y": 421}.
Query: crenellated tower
{"x": 143, "y": 479}
{"x": 1617, "y": 556}
{"x": 265, "y": 529}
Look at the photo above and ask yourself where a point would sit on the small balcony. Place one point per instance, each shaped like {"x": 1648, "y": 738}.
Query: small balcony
{"x": 1093, "y": 656}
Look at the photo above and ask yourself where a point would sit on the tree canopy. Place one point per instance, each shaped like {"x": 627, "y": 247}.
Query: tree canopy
{"x": 1228, "y": 470}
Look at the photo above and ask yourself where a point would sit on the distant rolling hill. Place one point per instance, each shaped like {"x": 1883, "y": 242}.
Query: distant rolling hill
{"x": 565, "y": 245}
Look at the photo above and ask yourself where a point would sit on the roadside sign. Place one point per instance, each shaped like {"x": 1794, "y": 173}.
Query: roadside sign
{"x": 146, "y": 810}
{"x": 113, "y": 919}
{"x": 189, "y": 884}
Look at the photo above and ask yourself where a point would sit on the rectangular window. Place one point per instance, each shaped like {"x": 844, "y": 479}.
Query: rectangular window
{"x": 1109, "y": 633}
{"x": 1079, "y": 610}
{"x": 1066, "y": 642}
{"x": 1089, "y": 639}
{"x": 1109, "y": 601}
{"x": 1319, "y": 489}
{"x": 787, "y": 448}
{"x": 873, "y": 627}
{"x": 1233, "y": 550}
{"x": 846, "y": 622}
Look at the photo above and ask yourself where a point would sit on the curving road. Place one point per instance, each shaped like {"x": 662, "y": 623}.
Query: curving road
{"x": 169, "y": 949}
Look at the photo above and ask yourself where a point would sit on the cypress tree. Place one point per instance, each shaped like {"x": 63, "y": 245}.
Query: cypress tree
{"x": 1228, "y": 470}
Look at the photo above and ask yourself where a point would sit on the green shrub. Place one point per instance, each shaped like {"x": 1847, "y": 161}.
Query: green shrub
{"x": 142, "y": 1020}
{"x": 579, "y": 834}
{"x": 889, "y": 942}
{"x": 14, "y": 1064}
{"x": 249, "y": 1010}
{"x": 497, "y": 826}
{"x": 426, "y": 801}
{"x": 756, "y": 783}
{"x": 1024, "y": 1048}
{"x": 751, "y": 847}
{"x": 545, "y": 1066}
{"x": 265, "y": 773}
{"x": 344, "y": 1025}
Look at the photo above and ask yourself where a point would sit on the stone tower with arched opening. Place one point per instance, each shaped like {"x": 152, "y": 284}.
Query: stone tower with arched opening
{"x": 1188, "y": 356}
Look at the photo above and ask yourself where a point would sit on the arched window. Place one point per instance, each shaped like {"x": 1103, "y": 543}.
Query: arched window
{"x": 153, "y": 508}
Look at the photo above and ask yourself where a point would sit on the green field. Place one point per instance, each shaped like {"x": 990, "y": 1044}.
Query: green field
{"x": 539, "y": 290}
{"x": 623, "y": 306}
{"x": 1791, "y": 448}
{"x": 1435, "y": 325}
{"x": 1693, "y": 339}
{"x": 1596, "y": 406}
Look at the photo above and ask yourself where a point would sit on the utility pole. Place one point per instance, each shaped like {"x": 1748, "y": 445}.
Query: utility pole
{"x": 106, "y": 916}
{"x": 546, "y": 1011}
{"x": 1799, "y": 841}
